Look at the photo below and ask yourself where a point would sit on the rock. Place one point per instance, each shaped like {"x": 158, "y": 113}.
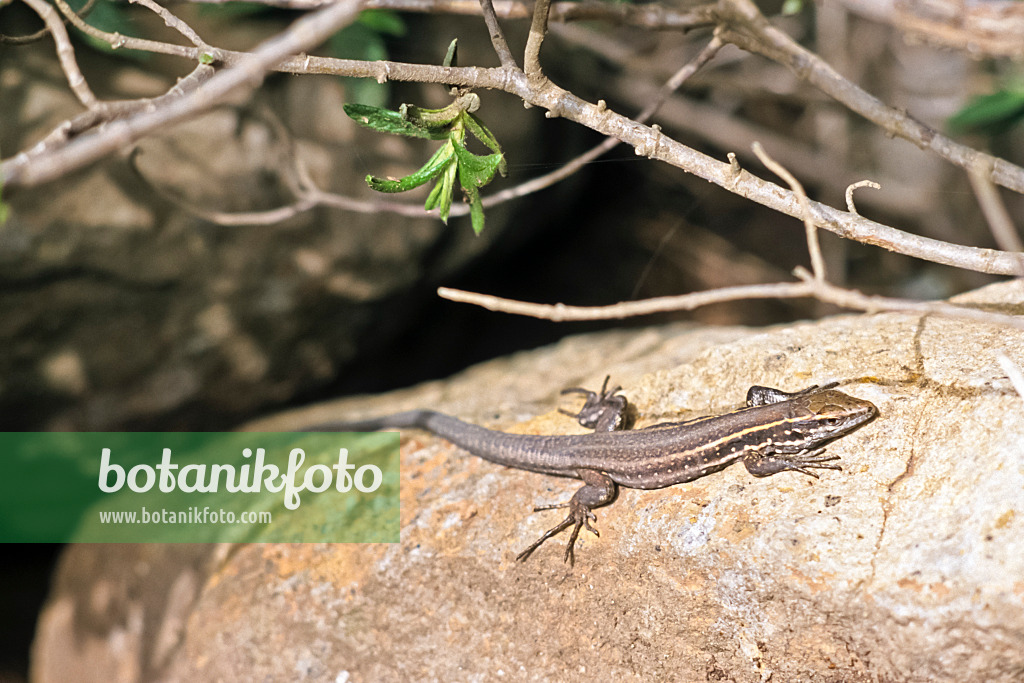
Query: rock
{"x": 906, "y": 566}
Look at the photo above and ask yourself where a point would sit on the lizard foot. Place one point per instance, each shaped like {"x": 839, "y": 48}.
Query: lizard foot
{"x": 579, "y": 516}
{"x": 604, "y": 411}
{"x": 598, "y": 489}
{"x": 767, "y": 465}
{"x": 762, "y": 396}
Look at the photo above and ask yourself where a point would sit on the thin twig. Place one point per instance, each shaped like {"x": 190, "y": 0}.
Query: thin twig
{"x": 811, "y": 230}
{"x": 652, "y": 16}
{"x": 44, "y": 31}
{"x": 681, "y": 76}
{"x": 308, "y": 195}
{"x": 810, "y": 285}
{"x": 174, "y": 22}
{"x": 807, "y": 288}
{"x": 627, "y": 309}
{"x": 847, "y": 298}
{"x": 246, "y": 74}
{"x": 118, "y": 41}
{"x": 65, "y": 53}
{"x": 992, "y": 207}
{"x": 747, "y": 28}
{"x": 538, "y": 29}
{"x": 34, "y": 167}
{"x": 850, "y": 206}
{"x": 497, "y": 36}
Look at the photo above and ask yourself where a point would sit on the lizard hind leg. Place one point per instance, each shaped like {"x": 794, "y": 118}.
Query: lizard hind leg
{"x": 603, "y": 411}
{"x": 598, "y": 489}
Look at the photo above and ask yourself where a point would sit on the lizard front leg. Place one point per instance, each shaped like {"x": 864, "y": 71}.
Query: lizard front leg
{"x": 762, "y": 396}
{"x": 766, "y": 465}
{"x": 598, "y": 489}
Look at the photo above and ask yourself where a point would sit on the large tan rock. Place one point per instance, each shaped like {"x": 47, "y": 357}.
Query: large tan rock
{"x": 906, "y": 566}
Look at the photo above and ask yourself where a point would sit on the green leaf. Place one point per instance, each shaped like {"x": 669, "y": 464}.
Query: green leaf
{"x": 388, "y": 121}
{"x": 434, "y": 198}
{"x": 441, "y": 196}
{"x": 476, "y": 171}
{"x": 452, "y": 161}
{"x": 430, "y": 170}
{"x": 476, "y": 214}
{"x": 992, "y": 114}
{"x": 451, "y": 57}
{"x": 484, "y": 135}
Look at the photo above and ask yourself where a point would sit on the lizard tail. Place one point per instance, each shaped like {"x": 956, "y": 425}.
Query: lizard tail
{"x": 412, "y": 419}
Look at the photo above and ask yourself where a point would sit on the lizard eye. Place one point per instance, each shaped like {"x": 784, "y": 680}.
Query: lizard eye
{"x": 832, "y": 421}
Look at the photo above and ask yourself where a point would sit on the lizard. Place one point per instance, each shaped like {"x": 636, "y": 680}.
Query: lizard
{"x": 776, "y": 431}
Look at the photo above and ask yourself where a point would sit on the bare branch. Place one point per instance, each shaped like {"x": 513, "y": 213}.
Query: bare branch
{"x": 175, "y": 23}
{"x": 683, "y": 302}
{"x": 747, "y": 28}
{"x": 309, "y": 195}
{"x": 655, "y": 145}
{"x": 652, "y": 16}
{"x": 30, "y": 169}
{"x": 992, "y": 206}
{"x": 992, "y": 28}
{"x": 118, "y": 41}
{"x": 43, "y": 32}
{"x": 850, "y": 206}
{"x": 538, "y": 29}
{"x": 248, "y": 73}
{"x": 497, "y": 35}
{"x": 65, "y": 53}
{"x": 813, "y": 246}
{"x": 808, "y": 288}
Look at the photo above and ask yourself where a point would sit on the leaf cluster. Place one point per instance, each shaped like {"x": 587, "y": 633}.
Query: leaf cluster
{"x": 452, "y": 160}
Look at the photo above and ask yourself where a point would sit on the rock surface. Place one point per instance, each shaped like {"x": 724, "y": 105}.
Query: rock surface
{"x": 906, "y": 566}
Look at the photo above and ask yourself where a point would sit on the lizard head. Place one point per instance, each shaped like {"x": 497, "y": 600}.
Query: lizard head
{"x": 829, "y": 414}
